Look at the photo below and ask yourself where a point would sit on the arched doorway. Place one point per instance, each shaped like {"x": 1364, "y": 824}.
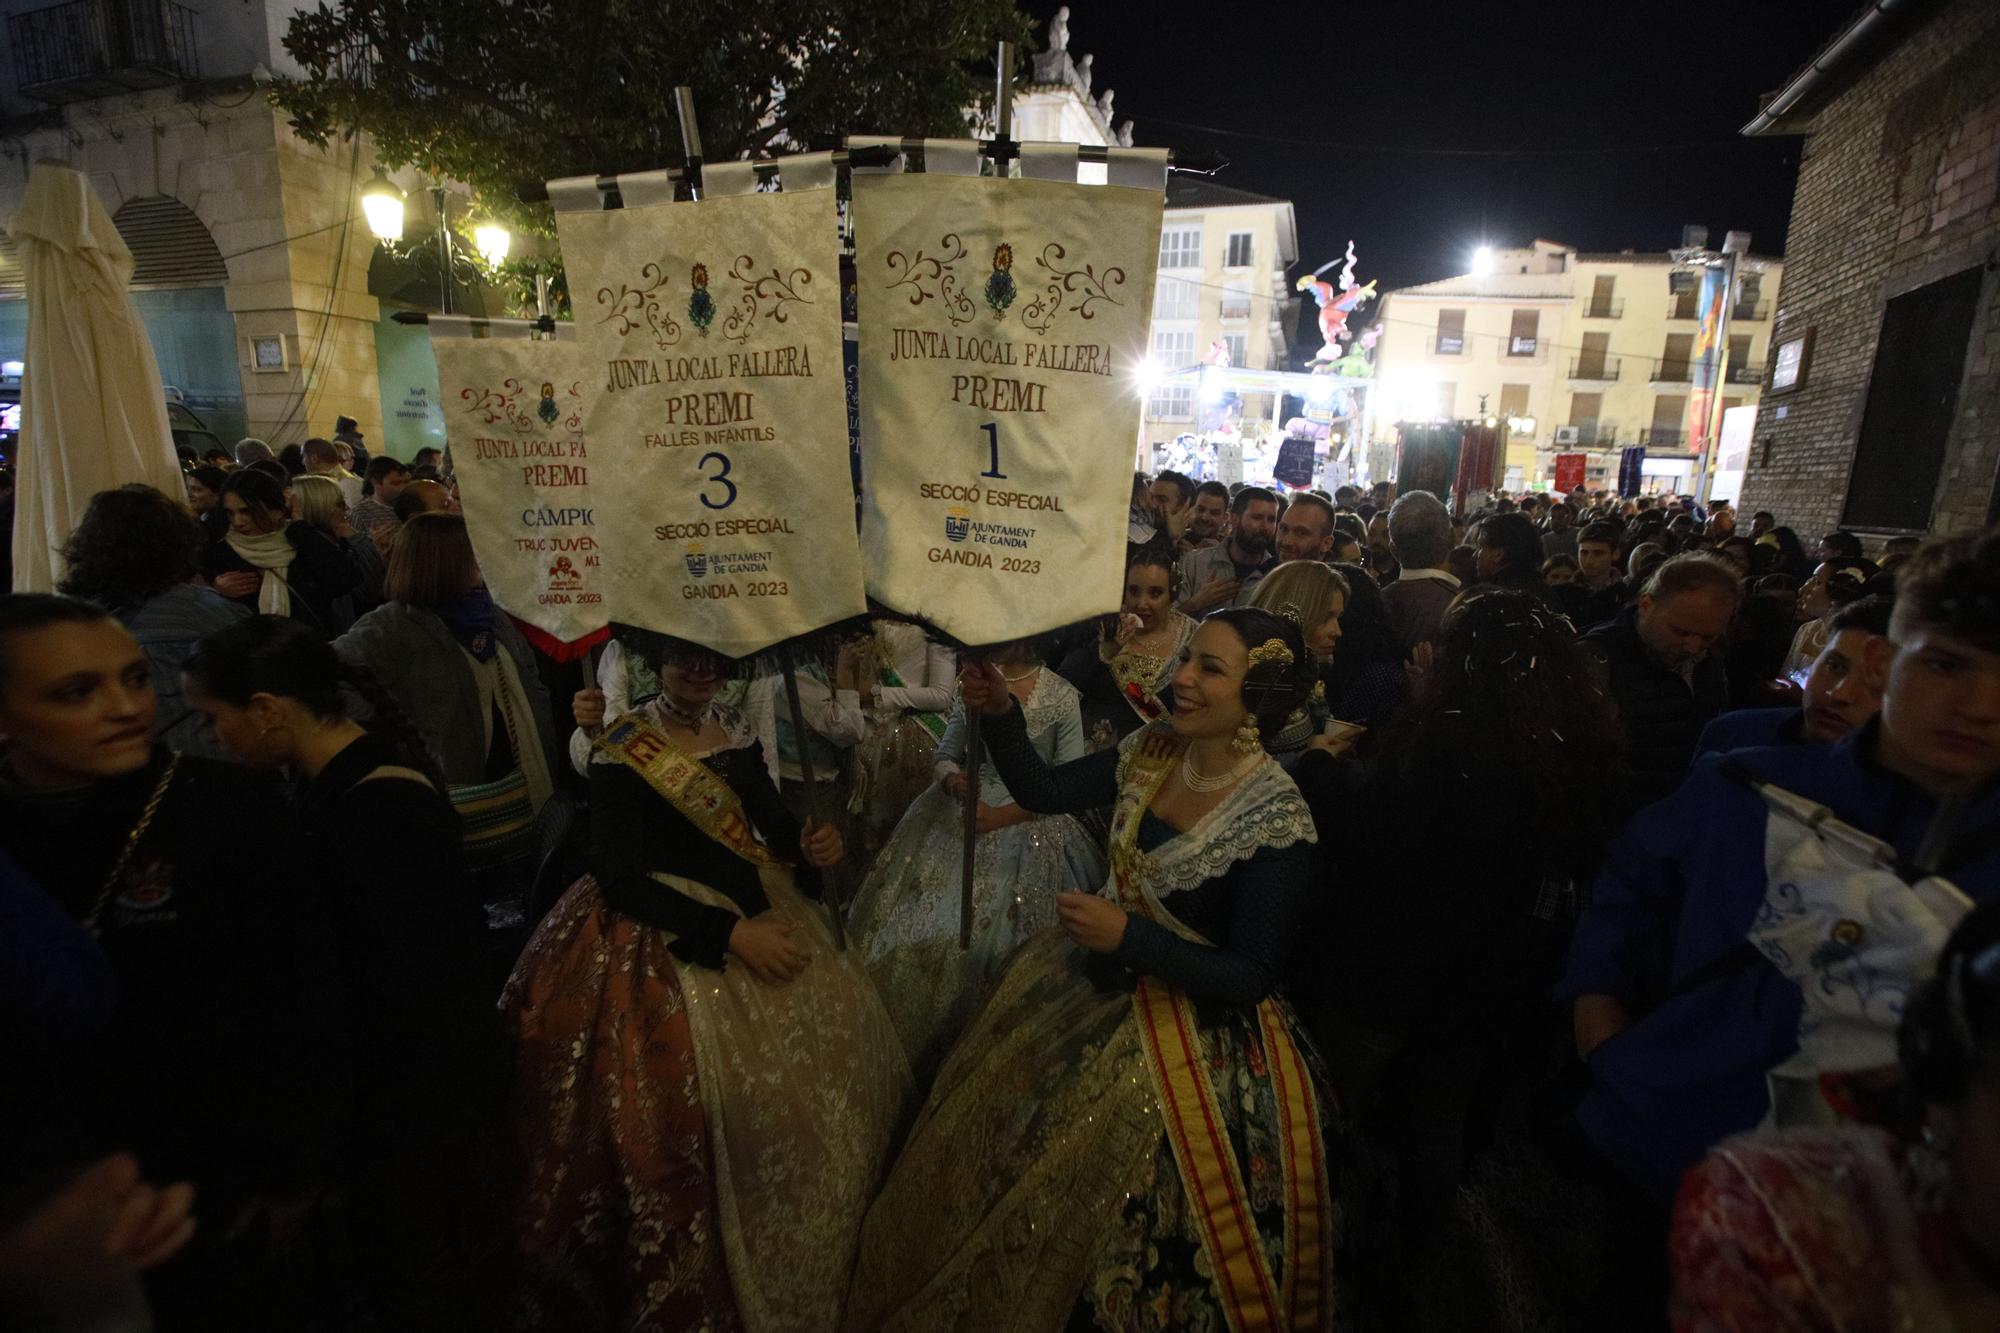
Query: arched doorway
{"x": 177, "y": 281}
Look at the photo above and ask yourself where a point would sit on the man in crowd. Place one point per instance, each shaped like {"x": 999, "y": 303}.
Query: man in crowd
{"x": 1664, "y": 670}
{"x": 1305, "y": 531}
{"x": 347, "y": 431}
{"x": 429, "y": 457}
{"x": 384, "y": 481}
{"x": 1598, "y": 592}
{"x": 1843, "y": 689}
{"x": 1211, "y": 517}
{"x": 1762, "y": 522}
{"x": 1561, "y": 537}
{"x": 1227, "y": 573}
{"x": 251, "y": 450}
{"x": 1345, "y": 498}
{"x": 1680, "y": 1020}
{"x": 1420, "y": 537}
{"x": 323, "y": 460}
{"x": 423, "y": 496}
{"x": 1838, "y": 546}
{"x": 1170, "y": 495}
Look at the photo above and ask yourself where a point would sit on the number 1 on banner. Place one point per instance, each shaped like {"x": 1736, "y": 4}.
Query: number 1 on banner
{"x": 992, "y": 430}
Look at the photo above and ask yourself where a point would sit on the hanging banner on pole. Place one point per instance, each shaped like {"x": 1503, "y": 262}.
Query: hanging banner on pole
{"x": 712, "y": 330}
{"x": 517, "y": 415}
{"x": 1002, "y": 326}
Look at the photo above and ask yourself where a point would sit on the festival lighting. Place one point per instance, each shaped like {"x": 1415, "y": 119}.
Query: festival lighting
{"x": 382, "y": 204}
{"x": 1482, "y": 261}
{"x": 492, "y": 241}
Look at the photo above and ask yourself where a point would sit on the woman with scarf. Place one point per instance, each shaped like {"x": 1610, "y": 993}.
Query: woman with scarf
{"x": 707, "y": 1088}
{"x": 319, "y": 501}
{"x": 905, "y": 917}
{"x": 1125, "y": 676}
{"x": 1128, "y": 1136}
{"x": 428, "y": 1050}
{"x": 467, "y": 680}
{"x": 274, "y": 565}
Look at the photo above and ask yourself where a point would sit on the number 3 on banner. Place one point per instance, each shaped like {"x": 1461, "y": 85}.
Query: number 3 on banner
{"x": 992, "y": 430}
{"x": 721, "y": 479}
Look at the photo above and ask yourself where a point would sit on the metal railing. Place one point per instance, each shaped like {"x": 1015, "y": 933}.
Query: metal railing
{"x": 1751, "y": 310}
{"x": 1745, "y": 374}
{"x": 1673, "y": 372}
{"x": 1590, "y": 435}
{"x": 1610, "y": 309}
{"x": 1663, "y": 437}
{"x": 1593, "y": 368}
{"x": 1524, "y": 348}
{"x": 91, "y": 48}
{"x": 1684, "y": 308}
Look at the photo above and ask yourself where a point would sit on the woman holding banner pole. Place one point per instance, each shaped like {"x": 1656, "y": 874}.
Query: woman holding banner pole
{"x": 707, "y": 1089}
{"x": 1128, "y": 1135}
{"x": 905, "y": 917}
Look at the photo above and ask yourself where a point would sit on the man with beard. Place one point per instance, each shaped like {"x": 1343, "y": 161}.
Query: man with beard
{"x": 1227, "y": 573}
{"x": 1305, "y": 530}
{"x": 1209, "y": 519}
{"x": 1664, "y": 670}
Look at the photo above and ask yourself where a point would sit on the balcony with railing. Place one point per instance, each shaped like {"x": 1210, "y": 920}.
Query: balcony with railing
{"x": 98, "y": 48}
{"x": 1524, "y": 348}
{"x": 1750, "y": 310}
{"x": 1684, "y": 307}
{"x": 1672, "y": 371}
{"x": 1448, "y": 344}
{"x": 1587, "y": 435}
{"x": 1745, "y": 373}
{"x": 1595, "y": 368}
{"x": 1609, "y": 308}
{"x": 1663, "y": 437}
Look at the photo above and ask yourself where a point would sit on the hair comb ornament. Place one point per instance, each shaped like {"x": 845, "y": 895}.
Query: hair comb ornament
{"x": 1293, "y": 612}
{"x": 1271, "y": 650}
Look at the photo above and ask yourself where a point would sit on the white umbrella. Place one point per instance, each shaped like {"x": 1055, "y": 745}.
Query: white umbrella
{"x": 93, "y": 413}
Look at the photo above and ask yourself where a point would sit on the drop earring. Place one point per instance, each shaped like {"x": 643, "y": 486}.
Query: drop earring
{"x": 1247, "y": 739}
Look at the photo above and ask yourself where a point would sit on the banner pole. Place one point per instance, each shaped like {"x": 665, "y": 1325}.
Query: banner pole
{"x": 829, "y": 878}
{"x": 970, "y": 849}
{"x": 690, "y": 138}
{"x": 1003, "y": 110}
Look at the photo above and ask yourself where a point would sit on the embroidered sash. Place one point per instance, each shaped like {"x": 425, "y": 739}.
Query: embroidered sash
{"x": 686, "y": 783}
{"x": 1133, "y": 674}
{"x": 1251, "y": 1300}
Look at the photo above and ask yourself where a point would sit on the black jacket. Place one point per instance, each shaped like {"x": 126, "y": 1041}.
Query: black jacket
{"x": 224, "y": 1061}
{"x": 428, "y": 1043}
{"x": 323, "y": 571}
{"x": 1661, "y": 713}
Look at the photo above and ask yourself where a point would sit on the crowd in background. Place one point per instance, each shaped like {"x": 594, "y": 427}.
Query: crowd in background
{"x": 285, "y": 795}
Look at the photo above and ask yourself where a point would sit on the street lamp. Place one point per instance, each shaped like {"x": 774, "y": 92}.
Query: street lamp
{"x": 1482, "y": 261}
{"x": 382, "y": 205}
{"x": 492, "y": 241}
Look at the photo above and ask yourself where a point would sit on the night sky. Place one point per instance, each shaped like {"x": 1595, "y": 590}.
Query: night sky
{"x": 1373, "y": 92}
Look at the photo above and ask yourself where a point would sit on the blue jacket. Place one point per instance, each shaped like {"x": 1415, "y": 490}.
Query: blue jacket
{"x": 1747, "y": 727}
{"x": 1678, "y": 893}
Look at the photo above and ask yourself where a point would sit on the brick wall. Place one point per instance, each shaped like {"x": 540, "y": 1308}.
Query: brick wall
{"x": 1899, "y": 186}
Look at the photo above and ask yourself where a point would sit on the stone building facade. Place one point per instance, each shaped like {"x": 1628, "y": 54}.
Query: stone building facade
{"x": 1883, "y": 387}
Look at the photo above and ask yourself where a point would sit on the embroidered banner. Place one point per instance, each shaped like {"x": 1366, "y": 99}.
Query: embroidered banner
{"x": 1002, "y": 325}
{"x": 713, "y": 333}
{"x": 516, "y": 417}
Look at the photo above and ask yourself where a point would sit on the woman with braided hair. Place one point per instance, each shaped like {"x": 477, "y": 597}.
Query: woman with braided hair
{"x": 1128, "y": 1136}
{"x": 429, "y": 1057}
{"x": 222, "y": 1061}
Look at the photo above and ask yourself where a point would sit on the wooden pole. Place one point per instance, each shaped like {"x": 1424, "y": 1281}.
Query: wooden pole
{"x": 829, "y": 878}
{"x": 971, "y": 847}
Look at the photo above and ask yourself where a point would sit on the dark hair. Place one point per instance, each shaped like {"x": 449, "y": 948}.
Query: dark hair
{"x": 1156, "y": 554}
{"x": 1367, "y": 635}
{"x": 1949, "y": 1039}
{"x": 1510, "y": 690}
{"x": 217, "y": 451}
{"x": 1870, "y": 615}
{"x": 319, "y": 450}
{"x": 1214, "y": 488}
{"x": 432, "y": 561}
{"x": 1560, "y": 560}
{"x": 1845, "y": 544}
{"x": 271, "y": 468}
{"x": 24, "y": 612}
{"x": 280, "y": 656}
{"x": 1244, "y": 498}
{"x": 258, "y": 492}
{"x": 1953, "y": 587}
{"x": 410, "y": 502}
{"x": 1180, "y": 482}
{"x": 131, "y": 545}
{"x": 1463, "y": 562}
{"x": 658, "y": 650}
{"x": 380, "y": 467}
{"x": 425, "y": 457}
{"x": 1515, "y": 537}
{"x": 344, "y": 424}
{"x": 1271, "y": 690}
{"x": 1308, "y": 500}
{"x": 1349, "y": 491}
{"x": 293, "y": 459}
{"x": 211, "y": 477}
{"x": 1600, "y": 531}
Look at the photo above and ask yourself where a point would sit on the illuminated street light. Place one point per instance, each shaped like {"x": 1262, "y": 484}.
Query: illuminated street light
{"x": 492, "y": 241}
{"x": 382, "y": 204}
{"x": 1482, "y": 261}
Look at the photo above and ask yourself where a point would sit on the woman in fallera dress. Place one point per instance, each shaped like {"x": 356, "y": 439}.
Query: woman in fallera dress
{"x": 1127, "y": 1136}
{"x": 905, "y": 917}
{"x": 707, "y": 1089}
{"x": 1127, "y": 674}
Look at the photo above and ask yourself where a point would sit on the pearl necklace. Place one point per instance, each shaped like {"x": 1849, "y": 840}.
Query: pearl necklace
{"x": 1015, "y": 680}
{"x": 692, "y": 721}
{"x": 1196, "y": 781}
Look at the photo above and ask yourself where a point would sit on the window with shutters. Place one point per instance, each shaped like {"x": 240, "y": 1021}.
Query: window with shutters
{"x": 1603, "y": 302}
{"x": 1447, "y": 401}
{"x": 1522, "y": 339}
{"x": 1173, "y": 349}
{"x": 1178, "y": 298}
{"x": 1451, "y": 333}
{"x": 1239, "y": 250}
{"x": 1669, "y": 411}
{"x": 1513, "y": 400}
{"x": 1676, "y": 364}
{"x": 1238, "y": 347}
{"x": 1180, "y": 247}
{"x": 1593, "y": 363}
{"x": 1235, "y": 302}
{"x": 1584, "y": 410}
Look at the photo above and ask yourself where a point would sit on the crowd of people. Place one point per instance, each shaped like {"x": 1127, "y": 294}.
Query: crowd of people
{"x": 1376, "y": 923}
